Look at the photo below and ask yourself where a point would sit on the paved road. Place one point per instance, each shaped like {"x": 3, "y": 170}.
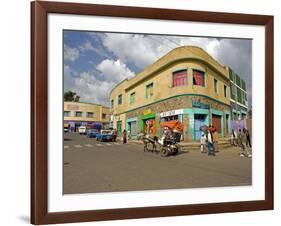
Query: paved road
{"x": 91, "y": 166}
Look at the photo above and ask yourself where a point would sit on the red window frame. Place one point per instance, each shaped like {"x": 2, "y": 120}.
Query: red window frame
{"x": 179, "y": 78}
{"x": 198, "y": 78}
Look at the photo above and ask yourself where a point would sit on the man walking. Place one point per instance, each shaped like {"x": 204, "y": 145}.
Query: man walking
{"x": 210, "y": 142}
{"x": 124, "y": 136}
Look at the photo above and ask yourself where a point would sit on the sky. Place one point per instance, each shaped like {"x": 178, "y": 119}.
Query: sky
{"x": 94, "y": 62}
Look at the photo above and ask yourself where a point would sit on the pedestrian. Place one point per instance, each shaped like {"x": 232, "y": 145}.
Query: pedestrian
{"x": 233, "y": 138}
{"x": 114, "y": 135}
{"x": 245, "y": 143}
{"x": 241, "y": 138}
{"x": 203, "y": 141}
{"x": 124, "y": 136}
{"x": 210, "y": 142}
{"x": 215, "y": 140}
{"x": 248, "y": 143}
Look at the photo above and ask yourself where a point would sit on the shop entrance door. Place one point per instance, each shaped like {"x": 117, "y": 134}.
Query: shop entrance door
{"x": 119, "y": 128}
{"x": 226, "y": 123}
{"x": 216, "y": 120}
{"x": 199, "y": 120}
{"x": 133, "y": 128}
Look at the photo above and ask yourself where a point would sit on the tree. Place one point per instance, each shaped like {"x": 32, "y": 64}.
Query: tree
{"x": 71, "y": 96}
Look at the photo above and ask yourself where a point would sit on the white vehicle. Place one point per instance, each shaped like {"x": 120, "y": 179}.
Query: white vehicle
{"x": 82, "y": 130}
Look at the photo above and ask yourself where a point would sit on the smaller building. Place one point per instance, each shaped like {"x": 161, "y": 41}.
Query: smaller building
{"x": 78, "y": 114}
{"x": 238, "y": 96}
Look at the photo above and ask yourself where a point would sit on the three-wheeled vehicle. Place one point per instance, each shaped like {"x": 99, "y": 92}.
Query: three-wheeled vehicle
{"x": 168, "y": 143}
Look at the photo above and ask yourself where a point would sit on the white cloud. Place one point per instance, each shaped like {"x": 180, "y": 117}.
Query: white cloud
{"x": 115, "y": 71}
{"x": 130, "y": 48}
{"x": 92, "y": 90}
{"x": 87, "y": 46}
{"x": 93, "y": 87}
{"x": 71, "y": 54}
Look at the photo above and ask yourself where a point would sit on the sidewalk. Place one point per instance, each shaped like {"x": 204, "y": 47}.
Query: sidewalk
{"x": 223, "y": 143}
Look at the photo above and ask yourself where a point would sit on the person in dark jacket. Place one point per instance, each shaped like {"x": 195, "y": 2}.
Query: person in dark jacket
{"x": 124, "y": 136}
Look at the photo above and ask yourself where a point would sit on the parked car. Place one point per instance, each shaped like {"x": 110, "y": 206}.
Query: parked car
{"x": 65, "y": 127}
{"x": 92, "y": 133}
{"x": 82, "y": 130}
{"x": 105, "y": 135}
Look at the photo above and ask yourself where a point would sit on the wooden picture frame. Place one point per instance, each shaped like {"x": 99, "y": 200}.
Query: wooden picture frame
{"x": 39, "y": 112}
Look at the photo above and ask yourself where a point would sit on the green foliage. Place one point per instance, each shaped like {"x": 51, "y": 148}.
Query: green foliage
{"x": 71, "y": 96}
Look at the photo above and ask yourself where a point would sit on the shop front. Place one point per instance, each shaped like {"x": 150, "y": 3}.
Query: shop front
{"x": 148, "y": 122}
{"x": 217, "y": 121}
{"x": 173, "y": 115}
{"x": 131, "y": 127}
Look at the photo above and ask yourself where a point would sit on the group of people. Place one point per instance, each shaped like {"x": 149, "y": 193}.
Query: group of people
{"x": 209, "y": 141}
{"x": 242, "y": 139}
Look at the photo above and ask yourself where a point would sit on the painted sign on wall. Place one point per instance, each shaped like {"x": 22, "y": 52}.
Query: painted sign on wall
{"x": 170, "y": 113}
{"x": 196, "y": 104}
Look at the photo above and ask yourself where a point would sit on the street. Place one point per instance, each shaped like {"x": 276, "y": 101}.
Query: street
{"x": 91, "y": 166}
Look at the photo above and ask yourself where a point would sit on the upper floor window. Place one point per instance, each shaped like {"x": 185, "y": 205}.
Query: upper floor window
{"x": 198, "y": 78}
{"x": 90, "y": 114}
{"x": 225, "y": 90}
{"x": 149, "y": 90}
{"x": 78, "y": 113}
{"x": 132, "y": 97}
{"x": 103, "y": 115}
{"x": 179, "y": 78}
{"x": 120, "y": 99}
{"x": 112, "y": 103}
{"x": 216, "y": 86}
{"x": 66, "y": 113}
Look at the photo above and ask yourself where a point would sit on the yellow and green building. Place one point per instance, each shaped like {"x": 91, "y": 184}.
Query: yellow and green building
{"x": 78, "y": 114}
{"x": 187, "y": 84}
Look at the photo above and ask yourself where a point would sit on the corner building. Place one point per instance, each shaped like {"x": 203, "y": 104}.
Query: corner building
{"x": 186, "y": 84}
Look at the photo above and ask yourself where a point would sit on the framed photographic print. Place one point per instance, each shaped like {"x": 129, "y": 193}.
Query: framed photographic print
{"x": 147, "y": 112}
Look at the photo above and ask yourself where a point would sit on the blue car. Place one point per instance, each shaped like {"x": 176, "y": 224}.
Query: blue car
{"x": 104, "y": 135}
{"x": 92, "y": 133}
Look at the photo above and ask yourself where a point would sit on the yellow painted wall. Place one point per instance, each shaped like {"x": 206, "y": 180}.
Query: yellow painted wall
{"x": 160, "y": 73}
{"x": 84, "y": 108}
{"x": 119, "y": 89}
{"x": 121, "y": 117}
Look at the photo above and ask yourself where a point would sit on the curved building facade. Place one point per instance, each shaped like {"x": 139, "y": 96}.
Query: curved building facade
{"x": 186, "y": 84}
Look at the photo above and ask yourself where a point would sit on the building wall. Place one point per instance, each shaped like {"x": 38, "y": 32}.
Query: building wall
{"x": 238, "y": 96}
{"x": 185, "y": 110}
{"x": 163, "y": 85}
{"x": 167, "y": 98}
{"x": 98, "y": 110}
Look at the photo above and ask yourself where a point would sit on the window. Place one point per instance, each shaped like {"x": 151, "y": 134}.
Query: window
{"x": 245, "y": 95}
{"x": 198, "y": 78}
{"x": 78, "y": 113}
{"x": 90, "y": 114}
{"x": 216, "y": 85}
{"x": 239, "y": 95}
{"x": 243, "y": 84}
{"x": 120, "y": 99}
{"x": 149, "y": 90}
{"x": 238, "y": 81}
{"x": 103, "y": 115}
{"x": 225, "y": 90}
{"x": 233, "y": 91}
{"x": 179, "y": 78}
{"x": 66, "y": 113}
{"x": 112, "y": 103}
{"x": 230, "y": 74}
{"x": 132, "y": 98}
